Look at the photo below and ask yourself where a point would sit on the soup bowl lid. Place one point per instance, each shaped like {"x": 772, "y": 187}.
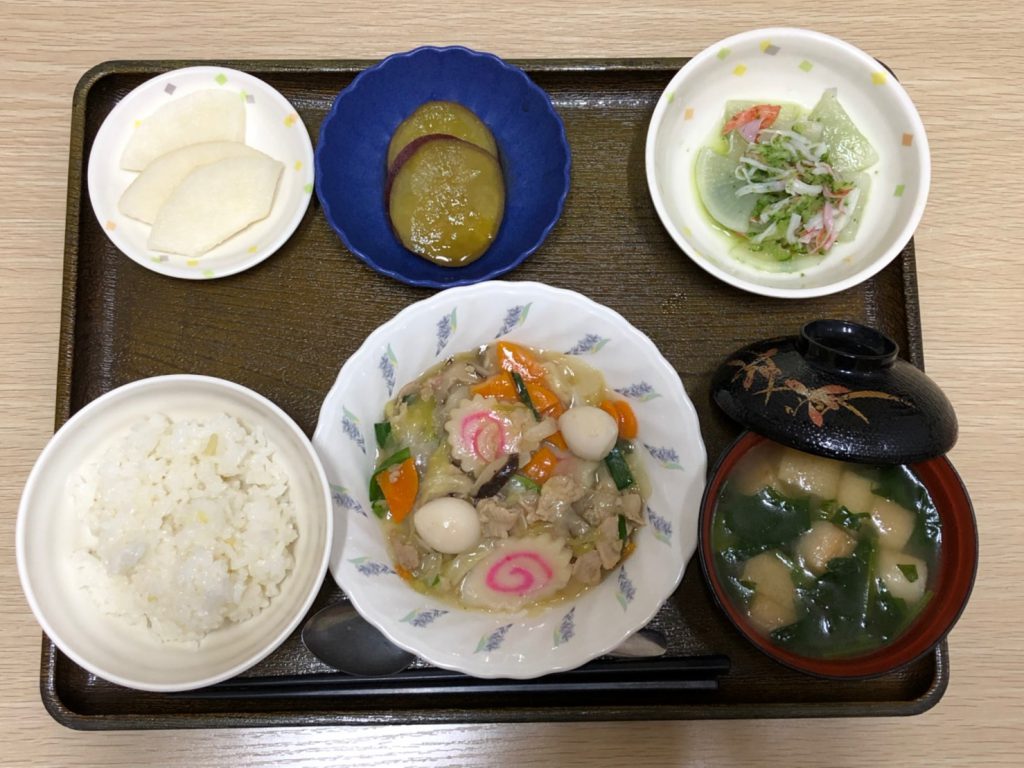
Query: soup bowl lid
{"x": 837, "y": 389}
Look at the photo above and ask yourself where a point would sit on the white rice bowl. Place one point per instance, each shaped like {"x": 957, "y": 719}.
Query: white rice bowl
{"x": 559, "y": 636}
{"x": 161, "y": 571}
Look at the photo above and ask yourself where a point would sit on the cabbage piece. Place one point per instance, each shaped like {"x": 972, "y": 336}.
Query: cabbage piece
{"x": 413, "y": 425}
{"x": 443, "y": 478}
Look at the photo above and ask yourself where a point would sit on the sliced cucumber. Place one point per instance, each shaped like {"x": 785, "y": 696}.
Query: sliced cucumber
{"x": 717, "y": 185}
{"x": 849, "y": 151}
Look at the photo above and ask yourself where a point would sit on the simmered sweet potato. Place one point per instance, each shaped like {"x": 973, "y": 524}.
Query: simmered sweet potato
{"x": 445, "y": 117}
{"x": 446, "y": 198}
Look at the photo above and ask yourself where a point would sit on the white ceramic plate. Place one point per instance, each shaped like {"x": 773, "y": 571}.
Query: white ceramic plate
{"x": 272, "y": 126}
{"x": 794, "y": 66}
{"x": 48, "y": 532}
{"x": 565, "y": 635}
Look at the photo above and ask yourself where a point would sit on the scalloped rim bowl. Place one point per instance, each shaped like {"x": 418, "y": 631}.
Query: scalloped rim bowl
{"x": 564, "y": 635}
{"x": 354, "y": 137}
{"x": 48, "y": 533}
{"x": 958, "y": 566}
{"x": 796, "y": 66}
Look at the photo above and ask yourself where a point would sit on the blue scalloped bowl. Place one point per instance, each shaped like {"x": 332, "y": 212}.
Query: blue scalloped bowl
{"x": 350, "y": 157}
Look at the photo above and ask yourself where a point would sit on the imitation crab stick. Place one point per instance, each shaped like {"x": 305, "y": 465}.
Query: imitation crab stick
{"x": 764, "y": 114}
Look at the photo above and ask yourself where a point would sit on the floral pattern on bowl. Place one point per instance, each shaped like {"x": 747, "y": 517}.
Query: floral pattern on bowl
{"x": 563, "y": 635}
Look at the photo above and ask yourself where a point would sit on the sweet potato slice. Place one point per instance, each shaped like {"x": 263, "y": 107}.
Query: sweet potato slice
{"x": 446, "y": 198}
{"x": 445, "y": 117}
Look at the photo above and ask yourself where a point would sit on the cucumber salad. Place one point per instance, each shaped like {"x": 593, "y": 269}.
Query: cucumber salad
{"x": 788, "y": 184}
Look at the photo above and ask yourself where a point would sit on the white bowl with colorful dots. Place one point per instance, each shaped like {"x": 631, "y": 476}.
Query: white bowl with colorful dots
{"x": 557, "y": 636}
{"x": 794, "y": 67}
{"x": 271, "y": 125}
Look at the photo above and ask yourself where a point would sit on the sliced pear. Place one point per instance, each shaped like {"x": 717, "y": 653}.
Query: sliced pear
{"x": 849, "y": 151}
{"x": 214, "y": 202}
{"x": 207, "y": 115}
{"x": 153, "y": 187}
{"x": 717, "y": 185}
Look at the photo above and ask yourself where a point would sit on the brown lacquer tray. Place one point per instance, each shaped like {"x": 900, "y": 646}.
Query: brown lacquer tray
{"x": 285, "y": 327}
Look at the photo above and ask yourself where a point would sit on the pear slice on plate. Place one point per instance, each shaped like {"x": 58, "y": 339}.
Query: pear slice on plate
{"x": 153, "y": 187}
{"x": 207, "y": 115}
{"x": 214, "y": 202}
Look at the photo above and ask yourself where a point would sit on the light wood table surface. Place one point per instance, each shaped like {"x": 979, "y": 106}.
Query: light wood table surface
{"x": 961, "y": 63}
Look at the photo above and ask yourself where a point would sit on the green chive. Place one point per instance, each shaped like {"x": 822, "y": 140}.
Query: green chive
{"x": 909, "y": 570}
{"x": 524, "y": 394}
{"x": 619, "y": 468}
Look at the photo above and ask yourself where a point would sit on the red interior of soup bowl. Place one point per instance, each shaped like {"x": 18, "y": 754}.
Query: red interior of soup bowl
{"x": 958, "y": 563}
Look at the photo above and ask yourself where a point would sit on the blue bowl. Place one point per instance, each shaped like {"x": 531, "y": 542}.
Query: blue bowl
{"x": 352, "y": 151}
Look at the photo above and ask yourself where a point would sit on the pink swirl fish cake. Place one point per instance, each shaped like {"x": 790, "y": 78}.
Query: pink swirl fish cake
{"x": 518, "y": 572}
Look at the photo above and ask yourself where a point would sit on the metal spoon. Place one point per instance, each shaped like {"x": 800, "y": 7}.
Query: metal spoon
{"x": 341, "y": 638}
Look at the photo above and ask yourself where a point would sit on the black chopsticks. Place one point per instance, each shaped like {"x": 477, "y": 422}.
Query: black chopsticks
{"x": 697, "y": 673}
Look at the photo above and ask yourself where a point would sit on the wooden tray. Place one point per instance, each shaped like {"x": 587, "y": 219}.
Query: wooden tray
{"x": 285, "y": 327}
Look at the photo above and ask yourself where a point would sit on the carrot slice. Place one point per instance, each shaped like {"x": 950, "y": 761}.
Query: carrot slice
{"x": 544, "y": 400}
{"x": 399, "y": 484}
{"x": 405, "y": 573}
{"x": 627, "y": 420}
{"x": 558, "y": 441}
{"x": 541, "y": 466}
{"x": 500, "y": 385}
{"x": 608, "y": 407}
{"x": 513, "y": 357}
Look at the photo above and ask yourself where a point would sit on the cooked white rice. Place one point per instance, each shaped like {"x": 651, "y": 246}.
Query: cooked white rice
{"x": 189, "y": 525}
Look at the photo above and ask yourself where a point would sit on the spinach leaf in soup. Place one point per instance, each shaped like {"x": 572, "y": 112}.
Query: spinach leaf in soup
{"x": 834, "y": 608}
{"x": 899, "y": 484}
{"x": 763, "y": 521}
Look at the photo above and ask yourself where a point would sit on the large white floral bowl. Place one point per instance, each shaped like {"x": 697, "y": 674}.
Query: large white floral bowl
{"x": 564, "y": 635}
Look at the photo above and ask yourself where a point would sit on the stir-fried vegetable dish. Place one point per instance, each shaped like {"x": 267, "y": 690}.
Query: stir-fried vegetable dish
{"x": 506, "y": 477}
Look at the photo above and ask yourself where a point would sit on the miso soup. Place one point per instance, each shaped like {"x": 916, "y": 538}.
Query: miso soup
{"x": 826, "y": 558}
